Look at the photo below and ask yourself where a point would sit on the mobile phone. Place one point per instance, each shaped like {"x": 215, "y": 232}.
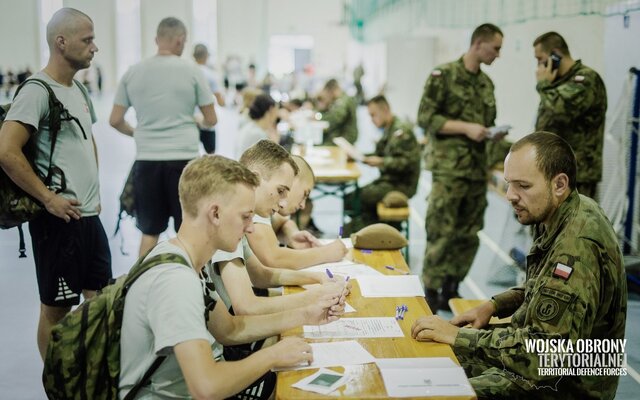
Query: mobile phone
{"x": 555, "y": 60}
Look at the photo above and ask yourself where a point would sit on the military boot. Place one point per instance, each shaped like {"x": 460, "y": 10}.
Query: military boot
{"x": 449, "y": 291}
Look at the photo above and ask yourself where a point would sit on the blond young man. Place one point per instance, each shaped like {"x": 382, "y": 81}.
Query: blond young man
{"x": 165, "y": 309}
{"x": 307, "y": 251}
{"x": 238, "y": 271}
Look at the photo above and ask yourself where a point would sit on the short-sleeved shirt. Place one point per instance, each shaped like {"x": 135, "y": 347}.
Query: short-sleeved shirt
{"x": 164, "y": 307}
{"x": 164, "y": 91}
{"x": 249, "y": 134}
{"x": 261, "y": 220}
{"x": 74, "y": 153}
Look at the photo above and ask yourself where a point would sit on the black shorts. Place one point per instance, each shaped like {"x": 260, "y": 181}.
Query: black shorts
{"x": 69, "y": 257}
{"x": 156, "y": 194}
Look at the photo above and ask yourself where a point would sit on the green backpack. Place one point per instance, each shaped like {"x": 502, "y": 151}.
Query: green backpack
{"x": 83, "y": 357}
{"x": 16, "y": 206}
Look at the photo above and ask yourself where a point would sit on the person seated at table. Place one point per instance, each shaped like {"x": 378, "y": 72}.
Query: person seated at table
{"x": 575, "y": 289}
{"x": 263, "y": 113}
{"x": 306, "y": 249}
{"x": 237, "y": 272}
{"x": 397, "y": 156}
{"x": 167, "y": 314}
{"x": 339, "y": 110}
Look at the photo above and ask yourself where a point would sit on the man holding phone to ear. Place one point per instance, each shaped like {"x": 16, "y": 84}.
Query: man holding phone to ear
{"x": 573, "y": 104}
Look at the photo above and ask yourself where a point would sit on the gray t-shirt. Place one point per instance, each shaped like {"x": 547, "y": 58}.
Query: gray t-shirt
{"x": 164, "y": 91}
{"x": 73, "y": 154}
{"x": 164, "y": 307}
{"x": 249, "y": 134}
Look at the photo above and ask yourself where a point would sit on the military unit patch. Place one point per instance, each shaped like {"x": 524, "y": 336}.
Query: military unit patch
{"x": 562, "y": 271}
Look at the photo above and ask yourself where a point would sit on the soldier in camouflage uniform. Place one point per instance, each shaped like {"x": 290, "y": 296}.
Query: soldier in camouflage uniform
{"x": 339, "y": 110}
{"x": 573, "y": 104}
{"x": 456, "y": 108}
{"x": 397, "y": 155}
{"x": 575, "y": 288}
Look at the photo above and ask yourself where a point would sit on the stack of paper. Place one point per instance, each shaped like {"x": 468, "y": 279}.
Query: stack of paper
{"x": 355, "y": 328}
{"x": 333, "y": 354}
{"x": 390, "y": 286}
{"x": 423, "y": 377}
{"x": 346, "y": 268}
{"x": 346, "y": 241}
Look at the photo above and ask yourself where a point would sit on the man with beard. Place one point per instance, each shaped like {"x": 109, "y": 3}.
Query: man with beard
{"x": 575, "y": 287}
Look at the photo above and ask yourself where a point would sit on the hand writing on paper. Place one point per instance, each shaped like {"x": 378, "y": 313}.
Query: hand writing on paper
{"x": 290, "y": 352}
{"x": 434, "y": 328}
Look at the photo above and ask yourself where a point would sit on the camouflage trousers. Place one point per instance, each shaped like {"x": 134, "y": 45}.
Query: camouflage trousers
{"x": 370, "y": 195}
{"x": 454, "y": 217}
{"x": 489, "y": 381}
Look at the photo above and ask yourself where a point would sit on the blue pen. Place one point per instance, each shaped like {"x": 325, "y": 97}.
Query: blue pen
{"x": 329, "y": 274}
{"x": 340, "y": 233}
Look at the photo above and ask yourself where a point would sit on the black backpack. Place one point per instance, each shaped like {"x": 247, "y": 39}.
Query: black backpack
{"x": 17, "y": 206}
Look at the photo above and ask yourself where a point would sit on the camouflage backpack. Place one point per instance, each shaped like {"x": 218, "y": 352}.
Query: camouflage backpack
{"x": 83, "y": 357}
{"x": 16, "y": 206}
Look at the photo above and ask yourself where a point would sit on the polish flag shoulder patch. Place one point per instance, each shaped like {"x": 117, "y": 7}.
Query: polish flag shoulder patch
{"x": 436, "y": 72}
{"x": 579, "y": 78}
{"x": 562, "y": 271}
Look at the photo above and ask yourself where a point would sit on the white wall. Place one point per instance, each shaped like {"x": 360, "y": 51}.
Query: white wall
{"x": 514, "y": 72}
{"x": 621, "y": 52}
{"x": 19, "y": 35}
{"x": 245, "y": 26}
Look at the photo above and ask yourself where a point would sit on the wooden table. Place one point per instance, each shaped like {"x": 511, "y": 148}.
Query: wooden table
{"x": 334, "y": 174}
{"x": 459, "y": 306}
{"x": 366, "y": 382}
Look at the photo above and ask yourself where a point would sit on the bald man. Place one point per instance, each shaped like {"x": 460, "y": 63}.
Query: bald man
{"x": 70, "y": 247}
{"x": 167, "y": 135}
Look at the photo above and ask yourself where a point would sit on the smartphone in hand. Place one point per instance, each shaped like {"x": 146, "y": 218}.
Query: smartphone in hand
{"x": 555, "y": 60}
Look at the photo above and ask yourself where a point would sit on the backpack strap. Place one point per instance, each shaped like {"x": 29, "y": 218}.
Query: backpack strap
{"x": 147, "y": 375}
{"x": 142, "y": 266}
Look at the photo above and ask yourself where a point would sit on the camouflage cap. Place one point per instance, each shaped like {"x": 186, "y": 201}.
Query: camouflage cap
{"x": 378, "y": 237}
{"x": 395, "y": 199}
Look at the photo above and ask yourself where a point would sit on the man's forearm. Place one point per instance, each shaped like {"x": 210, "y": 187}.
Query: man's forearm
{"x": 19, "y": 170}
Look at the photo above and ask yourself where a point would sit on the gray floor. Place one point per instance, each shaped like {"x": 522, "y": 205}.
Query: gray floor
{"x": 20, "y": 365}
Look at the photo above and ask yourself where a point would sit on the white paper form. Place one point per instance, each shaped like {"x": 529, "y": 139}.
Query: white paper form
{"x": 390, "y": 286}
{"x": 416, "y": 377}
{"x": 334, "y": 354}
{"x": 346, "y": 241}
{"x": 355, "y": 328}
{"x": 346, "y": 268}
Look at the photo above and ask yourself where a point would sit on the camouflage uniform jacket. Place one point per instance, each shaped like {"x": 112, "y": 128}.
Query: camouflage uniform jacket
{"x": 574, "y": 106}
{"x": 399, "y": 148}
{"x": 590, "y": 303}
{"x": 454, "y": 93}
{"x": 342, "y": 120}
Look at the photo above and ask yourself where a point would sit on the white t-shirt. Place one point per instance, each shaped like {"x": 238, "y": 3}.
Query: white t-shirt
{"x": 164, "y": 91}
{"x": 261, "y": 220}
{"x": 164, "y": 307}
{"x": 242, "y": 251}
{"x": 74, "y": 154}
